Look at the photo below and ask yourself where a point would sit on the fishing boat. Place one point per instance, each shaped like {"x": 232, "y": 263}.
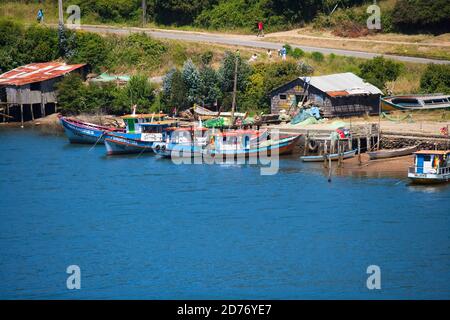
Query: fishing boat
{"x": 430, "y": 167}
{"x": 415, "y": 102}
{"x": 84, "y": 132}
{"x": 333, "y": 156}
{"x": 239, "y": 144}
{"x": 142, "y": 142}
{"x": 182, "y": 142}
{"x": 384, "y": 154}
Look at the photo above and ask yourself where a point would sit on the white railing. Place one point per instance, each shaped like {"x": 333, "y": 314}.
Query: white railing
{"x": 443, "y": 170}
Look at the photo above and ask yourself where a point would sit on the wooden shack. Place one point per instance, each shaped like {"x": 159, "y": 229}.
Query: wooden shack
{"x": 337, "y": 95}
{"x": 29, "y": 92}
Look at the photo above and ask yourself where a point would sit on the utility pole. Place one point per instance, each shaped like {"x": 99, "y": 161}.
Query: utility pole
{"x": 60, "y": 12}
{"x": 144, "y": 13}
{"x": 233, "y": 105}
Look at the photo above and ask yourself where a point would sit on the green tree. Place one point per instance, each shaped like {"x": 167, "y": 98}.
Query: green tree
{"x": 422, "y": 16}
{"x": 191, "y": 78}
{"x": 72, "y": 94}
{"x": 209, "y": 90}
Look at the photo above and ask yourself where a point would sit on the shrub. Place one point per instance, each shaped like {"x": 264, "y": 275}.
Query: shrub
{"x": 379, "y": 70}
{"x": 297, "y": 53}
{"x": 436, "y": 79}
{"x": 317, "y": 56}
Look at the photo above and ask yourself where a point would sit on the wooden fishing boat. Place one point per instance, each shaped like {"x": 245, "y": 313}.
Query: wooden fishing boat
{"x": 384, "y": 154}
{"x": 415, "y": 102}
{"x": 127, "y": 143}
{"x": 333, "y": 156}
{"x": 238, "y": 144}
{"x": 83, "y": 132}
{"x": 182, "y": 142}
{"x": 430, "y": 167}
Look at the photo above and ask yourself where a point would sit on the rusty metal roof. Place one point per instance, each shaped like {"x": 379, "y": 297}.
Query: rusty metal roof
{"x": 37, "y": 72}
{"x": 342, "y": 84}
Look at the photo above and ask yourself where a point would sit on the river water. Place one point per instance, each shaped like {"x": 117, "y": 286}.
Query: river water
{"x": 143, "y": 227}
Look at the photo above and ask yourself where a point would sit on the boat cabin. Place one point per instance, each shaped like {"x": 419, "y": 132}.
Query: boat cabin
{"x": 234, "y": 140}
{"x": 431, "y": 165}
{"x": 155, "y": 131}
{"x": 133, "y": 122}
{"x": 186, "y": 135}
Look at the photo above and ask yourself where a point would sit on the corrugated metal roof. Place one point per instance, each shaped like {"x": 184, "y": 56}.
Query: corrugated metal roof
{"x": 37, "y": 72}
{"x": 337, "y": 84}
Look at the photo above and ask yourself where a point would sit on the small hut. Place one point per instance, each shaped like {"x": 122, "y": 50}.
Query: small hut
{"x": 337, "y": 95}
{"x": 28, "y": 92}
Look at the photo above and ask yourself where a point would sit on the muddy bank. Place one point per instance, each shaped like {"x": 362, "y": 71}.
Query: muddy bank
{"x": 392, "y": 167}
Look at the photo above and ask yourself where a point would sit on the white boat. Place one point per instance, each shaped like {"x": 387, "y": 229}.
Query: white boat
{"x": 430, "y": 167}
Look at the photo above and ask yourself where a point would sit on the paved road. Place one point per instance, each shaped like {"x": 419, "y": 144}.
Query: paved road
{"x": 247, "y": 41}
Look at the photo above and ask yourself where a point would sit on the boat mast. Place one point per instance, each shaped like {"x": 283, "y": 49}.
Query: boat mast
{"x": 233, "y": 105}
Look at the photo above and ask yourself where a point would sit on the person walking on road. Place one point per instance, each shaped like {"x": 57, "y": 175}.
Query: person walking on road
{"x": 283, "y": 53}
{"x": 260, "y": 29}
{"x": 40, "y": 16}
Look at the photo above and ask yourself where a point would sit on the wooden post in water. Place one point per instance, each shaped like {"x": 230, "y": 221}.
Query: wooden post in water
{"x": 32, "y": 112}
{"x": 21, "y": 114}
{"x": 329, "y": 168}
{"x": 325, "y": 152}
{"x": 368, "y": 136}
{"x": 306, "y": 143}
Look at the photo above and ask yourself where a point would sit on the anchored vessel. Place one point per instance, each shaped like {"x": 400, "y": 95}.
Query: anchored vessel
{"x": 430, "y": 166}
{"x": 415, "y": 102}
{"x": 384, "y": 154}
{"x": 333, "y": 156}
{"x": 84, "y": 132}
{"x": 141, "y": 142}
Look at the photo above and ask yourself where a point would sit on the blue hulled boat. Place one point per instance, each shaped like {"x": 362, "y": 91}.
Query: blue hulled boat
{"x": 137, "y": 142}
{"x": 84, "y": 132}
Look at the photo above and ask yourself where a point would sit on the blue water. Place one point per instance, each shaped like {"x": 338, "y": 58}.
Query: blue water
{"x": 142, "y": 227}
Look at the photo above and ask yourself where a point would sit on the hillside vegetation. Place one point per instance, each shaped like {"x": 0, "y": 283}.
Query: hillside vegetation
{"x": 407, "y": 16}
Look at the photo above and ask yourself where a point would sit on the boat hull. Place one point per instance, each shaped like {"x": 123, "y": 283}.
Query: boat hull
{"x": 417, "y": 178}
{"x": 82, "y": 132}
{"x": 282, "y": 147}
{"x": 334, "y": 157}
{"x": 120, "y": 144}
{"x": 385, "y": 154}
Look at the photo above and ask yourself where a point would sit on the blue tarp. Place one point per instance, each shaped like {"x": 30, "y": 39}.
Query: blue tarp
{"x": 305, "y": 114}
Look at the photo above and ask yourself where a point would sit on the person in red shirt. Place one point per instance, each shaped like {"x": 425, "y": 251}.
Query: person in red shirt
{"x": 260, "y": 29}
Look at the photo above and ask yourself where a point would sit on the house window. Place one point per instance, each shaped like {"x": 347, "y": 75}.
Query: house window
{"x": 283, "y": 97}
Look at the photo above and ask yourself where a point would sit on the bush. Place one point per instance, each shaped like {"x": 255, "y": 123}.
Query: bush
{"x": 297, "y": 53}
{"x": 75, "y": 97}
{"x": 436, "y": 79}
{"x": 379, "y": 70}
{"x": 317, "y": 56}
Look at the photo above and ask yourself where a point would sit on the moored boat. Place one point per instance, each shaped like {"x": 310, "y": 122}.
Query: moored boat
{"x": 384, "y": 154}
{"x": 83, "y": 132}
{"x": 333, "y": 156}
{"x": 239, "y": 144}
{"x": 430, "y": 167}
{"x": 142, "y": 142}
{"x": 415, "y": 102}
{"x": 182, "y": 142}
